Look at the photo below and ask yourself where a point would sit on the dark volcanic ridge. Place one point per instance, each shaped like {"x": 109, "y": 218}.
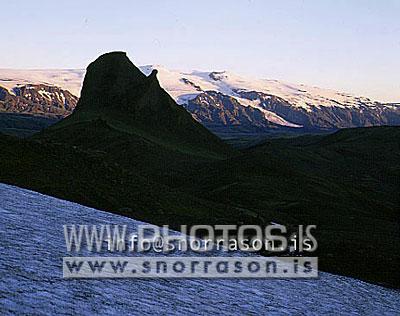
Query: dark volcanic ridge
{"x": 117, "y": 93}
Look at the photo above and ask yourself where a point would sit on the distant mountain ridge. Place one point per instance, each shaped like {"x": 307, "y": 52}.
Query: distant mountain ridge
{"x": 224, "y": 101}
{"x": 67, "y": 79}
{"x": 38, "y": 99}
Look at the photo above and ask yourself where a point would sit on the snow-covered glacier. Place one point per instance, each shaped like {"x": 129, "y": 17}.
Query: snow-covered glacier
{"x": 222, "y": 99}
{"x": 185, "y": 85}
{"x": 32, "y": 245}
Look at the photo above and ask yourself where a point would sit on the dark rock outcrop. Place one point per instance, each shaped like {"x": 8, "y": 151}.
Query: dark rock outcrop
{"x": 117, "y": 92}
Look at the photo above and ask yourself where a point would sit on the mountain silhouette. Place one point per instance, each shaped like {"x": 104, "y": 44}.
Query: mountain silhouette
{"x": 117, "y": 96}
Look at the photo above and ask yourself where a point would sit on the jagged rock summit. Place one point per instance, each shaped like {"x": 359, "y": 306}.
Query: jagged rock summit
{"x": 113, "y": 82}
{"x": 124, "y": 99}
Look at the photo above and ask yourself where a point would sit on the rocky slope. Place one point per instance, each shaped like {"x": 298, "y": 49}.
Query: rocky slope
{"x": 44, "y": 291}
{"x": 37, "y": 99}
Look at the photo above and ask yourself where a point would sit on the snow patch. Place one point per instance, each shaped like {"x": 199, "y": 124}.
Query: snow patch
{"x": 67, "y": 79}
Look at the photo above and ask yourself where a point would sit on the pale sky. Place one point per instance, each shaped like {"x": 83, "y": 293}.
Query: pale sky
{"x": 347, "y": 45}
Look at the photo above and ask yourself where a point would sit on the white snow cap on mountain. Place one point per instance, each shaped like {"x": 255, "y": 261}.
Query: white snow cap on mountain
{"x": 67, "y": 79}
{"x": 184, "y": 86}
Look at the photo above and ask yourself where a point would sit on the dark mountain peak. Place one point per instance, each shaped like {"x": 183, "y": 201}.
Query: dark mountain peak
{"x": 108, "y": 79}
{"x": 113, "y": 84}
{"x": 154, "y": 73}
{"x": 115, "y": 64}
{"x": 117, "y": 92}
{"x": 117, "y": 53}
